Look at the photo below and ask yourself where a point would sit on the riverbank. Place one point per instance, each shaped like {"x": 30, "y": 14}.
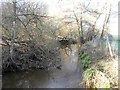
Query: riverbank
{"x": 102, "y": 69}
{"x": 102, "y": 74}
{"x": 69, "y": 76}
{"x": 28, "y": 56}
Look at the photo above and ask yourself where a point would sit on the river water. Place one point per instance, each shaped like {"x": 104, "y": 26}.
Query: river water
{"x": 69, "y": 76}
{"x": 116, "y": 46}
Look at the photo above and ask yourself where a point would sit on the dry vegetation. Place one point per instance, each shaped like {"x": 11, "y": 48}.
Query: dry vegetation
{"x": 102, "y": 73}
{"x": 31, "y": 39}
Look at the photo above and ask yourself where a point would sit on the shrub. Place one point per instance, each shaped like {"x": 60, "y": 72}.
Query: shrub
{"x": 85, "y": 59}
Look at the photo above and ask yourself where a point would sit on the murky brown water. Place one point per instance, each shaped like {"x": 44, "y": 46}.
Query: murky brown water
{"x": 68, "y": 77}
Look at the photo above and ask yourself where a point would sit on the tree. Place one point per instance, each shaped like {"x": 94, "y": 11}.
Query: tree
{"x": 27, "y": 30}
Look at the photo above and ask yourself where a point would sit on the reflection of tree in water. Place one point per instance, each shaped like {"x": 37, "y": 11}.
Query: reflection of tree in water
{"x": 66, "y": 43}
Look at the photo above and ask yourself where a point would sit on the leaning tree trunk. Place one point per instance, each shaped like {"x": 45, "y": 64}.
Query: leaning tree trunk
{"x": 109, "y": 48}
{"x": 106, "y": 21}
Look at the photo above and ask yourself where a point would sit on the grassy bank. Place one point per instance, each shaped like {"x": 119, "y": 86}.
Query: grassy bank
{"x": 100, "y": 69}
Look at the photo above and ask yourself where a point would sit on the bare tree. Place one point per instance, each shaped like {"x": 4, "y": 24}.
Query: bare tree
{"x": 13, "y": 32}
{"x": 106, "y": 25}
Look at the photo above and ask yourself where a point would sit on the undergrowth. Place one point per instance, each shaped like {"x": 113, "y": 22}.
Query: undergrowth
{"x": 85, "y": 59}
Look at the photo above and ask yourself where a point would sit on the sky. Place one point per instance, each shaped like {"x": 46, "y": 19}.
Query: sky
{"x": 55, "y": 8}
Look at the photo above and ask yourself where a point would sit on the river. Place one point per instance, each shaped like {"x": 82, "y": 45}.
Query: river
{"x": 116, "y": 46}
{"x": 69, "y": 76}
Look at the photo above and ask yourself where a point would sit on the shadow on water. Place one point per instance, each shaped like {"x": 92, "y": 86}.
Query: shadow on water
{"x": 68, "y": 77}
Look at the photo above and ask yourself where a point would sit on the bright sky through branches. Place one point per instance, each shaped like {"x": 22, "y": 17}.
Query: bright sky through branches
{"x": 55, "y": 8}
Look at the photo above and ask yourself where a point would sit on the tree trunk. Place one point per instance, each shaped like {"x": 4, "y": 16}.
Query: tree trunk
{"x": 13, "y": 31}
{"x": 109, "y": 48}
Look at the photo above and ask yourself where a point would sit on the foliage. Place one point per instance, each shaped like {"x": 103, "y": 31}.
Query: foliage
{"x": 109, "y": 67}
{"x": 93, "y": 78}
{"x": 85, "y": 59}
{"x": 32, "y": 32}
{"x": 88, "y": 73}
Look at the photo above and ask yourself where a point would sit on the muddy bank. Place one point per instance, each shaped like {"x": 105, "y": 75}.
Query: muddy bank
{"x": 28, "y": 56}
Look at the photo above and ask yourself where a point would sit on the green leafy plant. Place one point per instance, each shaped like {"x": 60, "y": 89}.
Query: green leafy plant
{"x": 85, "y": 59}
